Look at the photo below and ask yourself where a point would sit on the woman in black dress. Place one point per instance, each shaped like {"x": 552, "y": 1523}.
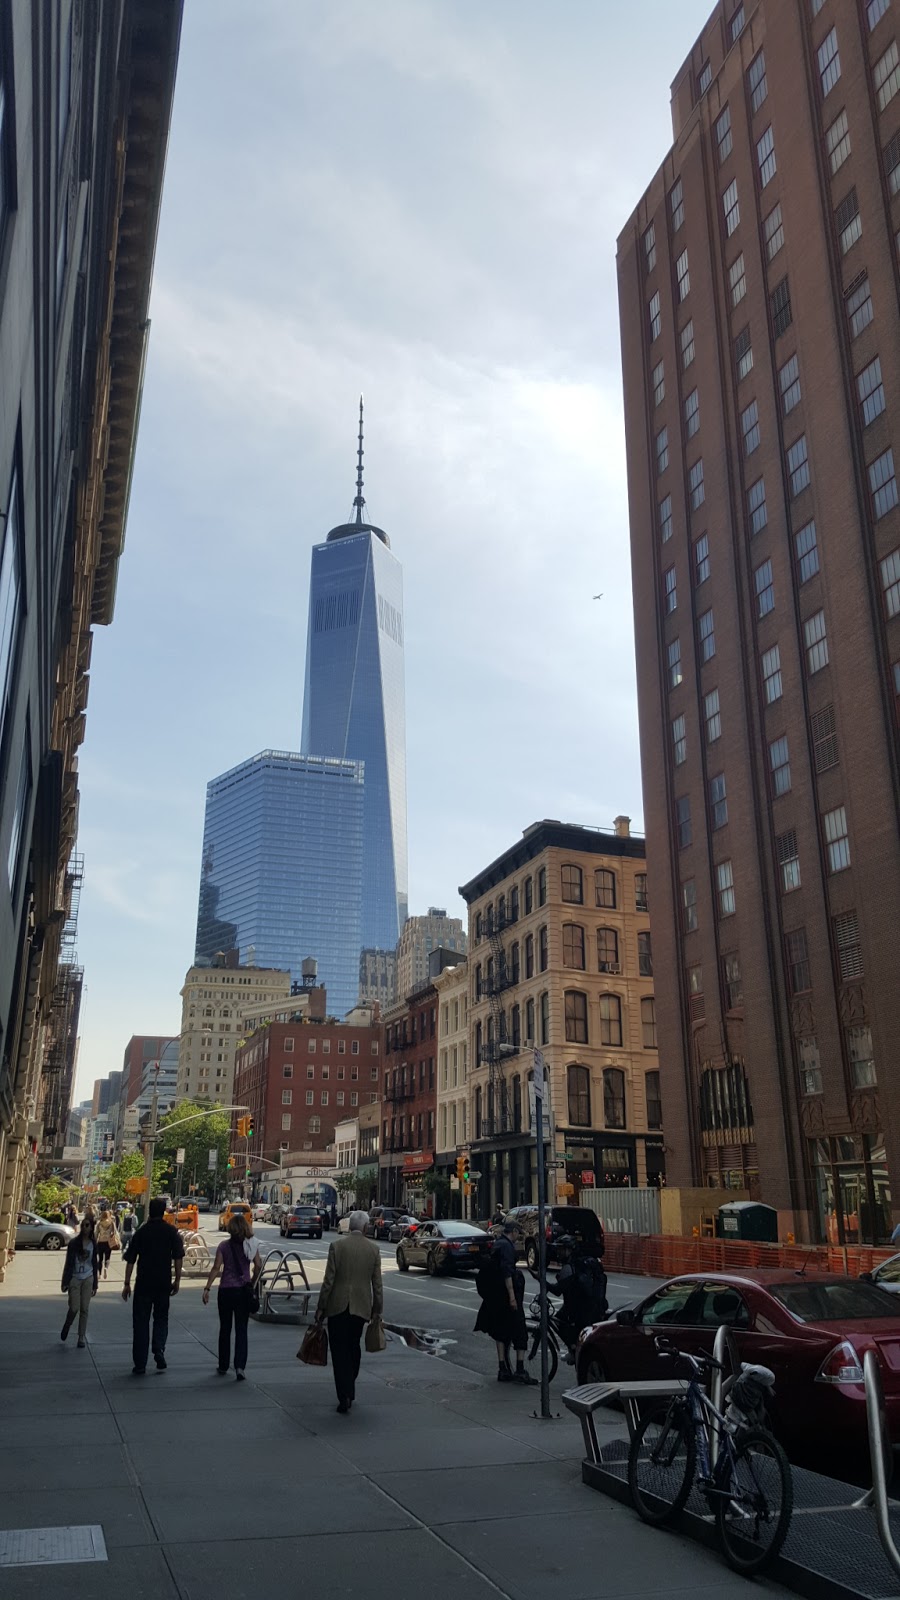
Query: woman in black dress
{"x": 501, "y": 1314}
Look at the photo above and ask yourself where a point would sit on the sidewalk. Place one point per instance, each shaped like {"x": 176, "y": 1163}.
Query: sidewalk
{"x": 442, "y": 1483}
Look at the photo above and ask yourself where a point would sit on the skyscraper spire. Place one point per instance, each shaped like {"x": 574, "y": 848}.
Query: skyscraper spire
{"x": 359, "y": 502}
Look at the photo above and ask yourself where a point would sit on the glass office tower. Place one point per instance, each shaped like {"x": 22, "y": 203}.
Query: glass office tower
{"x": 354, "y": 702}
{"x": 282, "y": 873}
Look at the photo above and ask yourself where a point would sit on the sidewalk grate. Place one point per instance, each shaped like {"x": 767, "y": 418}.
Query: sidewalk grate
{"x": 44, "y": 1547}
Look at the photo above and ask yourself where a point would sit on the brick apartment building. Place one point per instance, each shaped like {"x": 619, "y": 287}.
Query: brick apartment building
{"x": 409, "y": 1099}
{"x": 758, "y": 285}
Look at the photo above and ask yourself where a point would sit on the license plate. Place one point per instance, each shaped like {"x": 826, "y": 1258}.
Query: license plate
{"x": 474, "y": 1249}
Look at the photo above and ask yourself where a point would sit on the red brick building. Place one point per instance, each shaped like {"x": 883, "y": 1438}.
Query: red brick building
{"x": 409, "y": 1099}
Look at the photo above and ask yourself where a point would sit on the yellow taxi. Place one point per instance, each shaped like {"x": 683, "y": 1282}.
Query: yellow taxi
{"x": 235, "y": 1208}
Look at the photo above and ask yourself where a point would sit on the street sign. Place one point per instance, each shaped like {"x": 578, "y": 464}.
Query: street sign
{"x": 473, "y": 1175}
{"x": 531, "y": 1110}
{"x": 556, "y": 1161}
{"x": 454, "y": 1182}
{"x": 134, "y": 1185}
{"x": 179, "y": 1156}
{"x": 213, "y": 1160}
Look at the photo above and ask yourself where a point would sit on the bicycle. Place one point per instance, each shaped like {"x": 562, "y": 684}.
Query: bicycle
{"x": 748, "y": 1486}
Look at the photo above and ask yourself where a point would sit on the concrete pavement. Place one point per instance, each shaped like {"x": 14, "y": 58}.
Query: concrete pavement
{"x": 440, "y": 1481}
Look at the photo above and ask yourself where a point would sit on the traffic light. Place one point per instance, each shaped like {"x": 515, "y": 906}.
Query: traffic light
{"x": 251, "y": 1124}
{"x": 460, "y": 1167}
{"x": 465, "y": 1169}
{"x": 230, "y": 1163}
{"x": 243, "y": 1124}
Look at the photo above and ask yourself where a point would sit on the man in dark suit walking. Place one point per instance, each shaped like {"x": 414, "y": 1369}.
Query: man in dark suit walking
{"x": 351, "y": 1295}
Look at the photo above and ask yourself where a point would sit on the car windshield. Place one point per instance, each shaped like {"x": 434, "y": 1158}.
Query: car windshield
{"x": 460, "y": 1230}
{"x": 836, "y": 1302}
{"x": 305, "y": 1211}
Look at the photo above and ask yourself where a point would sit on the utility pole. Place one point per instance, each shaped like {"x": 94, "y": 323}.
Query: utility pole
{"x": 150, "y": 1142}
{"x": 542, "y": 1226}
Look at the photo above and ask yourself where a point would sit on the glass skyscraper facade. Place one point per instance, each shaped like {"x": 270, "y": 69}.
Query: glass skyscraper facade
{"x": 282, "y": 873}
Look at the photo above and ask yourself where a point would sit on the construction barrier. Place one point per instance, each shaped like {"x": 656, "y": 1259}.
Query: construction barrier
{"x": 668, "y": 1255}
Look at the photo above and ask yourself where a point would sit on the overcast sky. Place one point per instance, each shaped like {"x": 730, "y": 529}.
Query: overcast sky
{"x": 419, "y": 200}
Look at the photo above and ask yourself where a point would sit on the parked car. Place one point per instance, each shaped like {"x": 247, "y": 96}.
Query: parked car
{"x": 443, "y": 1247}
{"x": 203, "y": 1202}
{"x": 811, "y": 1331}
{"x": 887, "y": 1276}
{"x": 260, "y": 1213}
{"x": 381, "y": 1220}
{"x": 578, "y": 1222}
{"x": 404, "y": 1224}
{"x": 36, "y": 1233}
{"x": 301, "y": 1220}
{"x": 231, "y": 1209}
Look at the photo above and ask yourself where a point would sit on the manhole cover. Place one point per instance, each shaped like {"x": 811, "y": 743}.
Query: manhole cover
{"x": 44, "y": 1547}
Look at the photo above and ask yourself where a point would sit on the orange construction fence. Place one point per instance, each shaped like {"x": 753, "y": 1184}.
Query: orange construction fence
{"x": 668, "y": 1255}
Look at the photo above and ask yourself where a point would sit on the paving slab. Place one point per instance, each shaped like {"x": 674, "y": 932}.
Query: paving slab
{"x": 57, "y": 1428}
{"x": 276, "y": 1463}
{"x": 480, "y": 1494}
{"x": 44, "y": 1471}
{"x": 213, "y": 1427}
{"x": 435, "y": 1450}
{"x": 153, "y": 1392}
{"x": 307, "y": 1505}
{"x": 143, "y": 1576}
{"x": 120, "y": 1511}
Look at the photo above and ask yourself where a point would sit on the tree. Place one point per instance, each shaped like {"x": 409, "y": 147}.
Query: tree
{"x": 345, "y": 1184}
{"x": 435, "y": 1184}
{"x": 51, "y": 1195}
{"x": 210, "y": 1132}
{"x": 366, "y": 1186}
{"x": 113, "y": 1179}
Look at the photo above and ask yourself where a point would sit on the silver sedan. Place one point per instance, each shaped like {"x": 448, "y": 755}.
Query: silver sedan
{"x": 36, "y": 1233}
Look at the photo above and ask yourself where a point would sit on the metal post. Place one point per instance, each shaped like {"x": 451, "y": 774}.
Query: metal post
{"x": 716, "y": 1387}
{"x": 150, "y": 1144}
{"x": 879, "y": 1446}
{"x": 542, "y": 1239}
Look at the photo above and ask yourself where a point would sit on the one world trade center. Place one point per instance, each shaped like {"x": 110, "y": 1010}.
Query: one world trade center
{"x": 354, "y": 700}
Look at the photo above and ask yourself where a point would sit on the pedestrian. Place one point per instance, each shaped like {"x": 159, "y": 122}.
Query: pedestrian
{"x": 157, "y": 1250}
{"x": 240, "y": 1263}
{"x": 126, "y": 1225}
{"x": 71, "y": 1215}
{"x": 79, "y": 1279}
{"x": 106, "y": 1240}
{"x": 351, "y": 1295}
{"x": 334, "y": 1216}
{"x": 501, "y": 1314}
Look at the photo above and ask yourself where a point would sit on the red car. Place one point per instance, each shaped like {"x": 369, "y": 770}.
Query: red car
{"x": 812, "y": 1332}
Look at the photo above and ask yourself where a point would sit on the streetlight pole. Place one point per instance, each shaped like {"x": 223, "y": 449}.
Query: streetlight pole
{"x": 150, "y": 1142}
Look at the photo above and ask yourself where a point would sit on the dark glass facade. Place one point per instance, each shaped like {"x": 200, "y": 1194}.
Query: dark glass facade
{"x": 282, "y": 873}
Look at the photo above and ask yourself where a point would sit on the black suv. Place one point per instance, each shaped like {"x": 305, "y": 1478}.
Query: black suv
{"x": 381, "y": 1220}
{"x": 577, "y": 1222}
{"x": 301, "y": 1219}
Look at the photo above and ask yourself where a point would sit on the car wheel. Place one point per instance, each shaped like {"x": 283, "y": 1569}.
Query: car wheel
{"x": 531, "y": 1255}
{"x": 51, "y": 1241}
{"x": 595, "y": 1371}
{"x": 402, "y": 1263}
{"x": 433, "y": 1268}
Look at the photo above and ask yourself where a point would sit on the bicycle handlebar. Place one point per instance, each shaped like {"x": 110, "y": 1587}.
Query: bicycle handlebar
{"x": 700, "y": 1363}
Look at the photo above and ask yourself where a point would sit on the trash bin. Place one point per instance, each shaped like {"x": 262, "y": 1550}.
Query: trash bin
{"x": 747, "y": 1219}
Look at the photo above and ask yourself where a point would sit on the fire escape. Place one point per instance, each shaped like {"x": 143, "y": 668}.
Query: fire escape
{"x": 497, "y": 1047}
{"x": 61, "y": 1028}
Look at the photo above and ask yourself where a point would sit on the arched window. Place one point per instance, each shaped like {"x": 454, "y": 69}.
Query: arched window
{"x": 572, "y": 881}
{"x": 514, "y": 962}
{"x": 613, "y": 1097}
{"x": 576, "y": 1016}
{"x": 517, "y": 1105}
{"x": 542, "y": 887}
{"x": 648, "y": 1022}
{"x": 478, "y": 980}
{"x": 545, "y": 1018}
{"x": 579, "y": 1086}
{"x": 610, "y": 1019}
{"x": 529, "y": 955}
{"x": 478, "y": 1129}
{"x": 605, "y": 887}
{"x": 543, "y": 957}
{"x": 573, "y": 946}
{"x": 516, "y": 1026}
{"x": 529, "y": 1021}
{"x": 607, "y": 950}
{"x": 478, "y": 1044}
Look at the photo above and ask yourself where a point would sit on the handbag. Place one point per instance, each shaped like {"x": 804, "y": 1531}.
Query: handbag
{"x": 314, "y": 1349}
{"x": 375, "y": 1339}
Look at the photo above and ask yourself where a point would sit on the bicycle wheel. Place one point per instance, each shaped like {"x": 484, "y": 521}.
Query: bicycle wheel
{"x": 552, "y": 1355}
{"x": 661, "y": 1465}
{"x": 752, "y": 1520}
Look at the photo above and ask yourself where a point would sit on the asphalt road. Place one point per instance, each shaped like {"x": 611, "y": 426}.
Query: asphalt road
{"x": 444, "y": 1308}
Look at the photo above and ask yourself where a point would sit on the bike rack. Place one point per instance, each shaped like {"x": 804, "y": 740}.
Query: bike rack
{"x": 268, "y": 1288}
{"x": 197, "y": 1254}
{"x": 880, "y": 1452}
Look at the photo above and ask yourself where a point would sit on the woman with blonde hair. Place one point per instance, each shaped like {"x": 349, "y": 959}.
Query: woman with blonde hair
{"x": 240, "y": 1264}
{"x": 106, "y": 1240}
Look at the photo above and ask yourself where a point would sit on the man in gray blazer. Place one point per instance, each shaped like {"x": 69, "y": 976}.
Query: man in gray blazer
{"x": 350, "y": 1296}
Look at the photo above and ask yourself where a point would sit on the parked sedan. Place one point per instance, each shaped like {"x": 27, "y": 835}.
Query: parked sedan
{"x": 400, "y": 1227}
{"x": 887, "y": 1276}
{"x": 443, "y": 1247}
{"x": 301, "y": 1220}
{"x": 812, "y": 1333}
{"x": 36, "y": 1233}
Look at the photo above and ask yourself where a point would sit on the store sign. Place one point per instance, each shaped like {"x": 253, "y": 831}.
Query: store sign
{"x": 421, "y": 1161}
{"x": 587, "y": 1180}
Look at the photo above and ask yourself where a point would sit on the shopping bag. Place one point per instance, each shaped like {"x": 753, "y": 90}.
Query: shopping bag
{"x": 314, "y": 1349}
{"x": 375, "y": 1339}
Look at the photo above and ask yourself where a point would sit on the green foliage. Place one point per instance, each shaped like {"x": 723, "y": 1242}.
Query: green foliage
{"x": 345, "y": 1184}
{"x": 435, "y": 1184}
{"x": 112, "y": 1179}
{"x": 50, "y": 1195}
{"x": 212, "y": 1132}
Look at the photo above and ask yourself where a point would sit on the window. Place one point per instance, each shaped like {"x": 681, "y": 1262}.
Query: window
{"x": 692, "y": 413}
{"x": 12, "y": 599}
{"x": 756, "y": 78}
{"x": 288, "y": 1045}
{"x": 807, "y": 552}
{"x": 650, "y": 248}
{"x": 670, "y": 596}
{"x": 610, "y": 1019}
{"x": 605, "y": 888}
{"x": 765, "y": 157}
{"x": 810, "y": 1065}
{"x": 287, "y": 1069}
{"x": 576, "y": 1016}
{"x": 836, "y": 841}
{"x": 731, "y": 207}
{"x": 641, "y": 902}
{"x": 816, "y": 640}
{"x": 682, "y": 273}
{"x": 849, "y": 949}
{"x": 750, "y": 428}
{"x": 645, "y": 955}
{"x": 757, "y": 509}
{"x": 662, "y": 450}
{"x": 310, "y": 1096}
{"x": 837, "y": 142}
{"x": 545, "y": 1018}
{"x": 797, "y": 961}
{"x": 578, "y": 1081}
{"x": 723, "y": 134}
{"x": 572, "y": 885}
{"x": 824, "y": 739}
{"x": 690, "y": 920}
{"x": 529, "y": 896}
{"x": 704, "y": 78}
{"x": 718, "y": 801}
{"x": 736, "y": 23}
{"x": 765, "y": 589}
{"x": 543, "y": 958}
{"x": 737, "y": 280}
{"x": 529, "y": 1020}
{"x": 892, "y": 164}
{"x": 771, "y": 672}
{"x": 848, "y": 222}
{"x": 613, "y": 1097}
{"x": 870, "y": 389}
{"x": 287, "y": 1096}
{"x": 859, "y": 307}
{"x": 323, "y": 1097}
{"x": 354, "y": 1049}
{"x": 648, "y": 1022}
{"x": 725, "y": 888}
{"x": 798, "y": 466}
{"x": 659, "y": 383}
{"x": 707, "y": 635}
{"x": 573, "y": 945}
{"x": 315, "y": 1124}
{"x": 655, "y": 317}
{"x": 20, "y": 811}
{"x": 789, "y": 383}
{"x": 780, "y": 766}
{"x": 285, "y": 1122}
{"x": 875, "y": 10}
{"x": 788, "y": 859}
{"x": 542, "y": 886}
{"x": 829, "y": 62}
{"x": 701, "y": 559}
{"x": 683, "y": 820}
{"x": 687, "y": 344}
{"x": 665, "y": 519}
{"x": 861, "y": 1057}
{"x": 607, "y": 950}
{"x": 695, "y": 993}
{"x": 815, "y": 6}
{"x": 676, "y": 206}
{"x": 780, "y": 302}
{"x": 883, "y": 484}
{"x": 743, "y": 354}
{"x": 887, "y": 75}
{"x": 890, "y": 583}
{"x": 713, "y": 716}
{"x": 674, "y": 663}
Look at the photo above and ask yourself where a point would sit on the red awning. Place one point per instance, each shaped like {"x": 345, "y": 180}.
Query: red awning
{"x": 421, "y": 1161}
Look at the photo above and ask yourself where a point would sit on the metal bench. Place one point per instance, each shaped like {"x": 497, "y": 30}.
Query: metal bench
{"x": 584, "y": 1400}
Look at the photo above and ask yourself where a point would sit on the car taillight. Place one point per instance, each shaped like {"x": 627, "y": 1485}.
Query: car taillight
{"x": 843, "y": 1365}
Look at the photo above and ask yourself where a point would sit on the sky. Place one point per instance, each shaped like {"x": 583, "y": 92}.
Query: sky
{"x": 417, "y": 200}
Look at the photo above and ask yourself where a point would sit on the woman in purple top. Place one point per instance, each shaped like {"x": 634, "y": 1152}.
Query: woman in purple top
{"x": 240, "y": 1264}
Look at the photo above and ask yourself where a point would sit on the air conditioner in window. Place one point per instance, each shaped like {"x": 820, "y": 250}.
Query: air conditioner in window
{"x": 609, "y": 966}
